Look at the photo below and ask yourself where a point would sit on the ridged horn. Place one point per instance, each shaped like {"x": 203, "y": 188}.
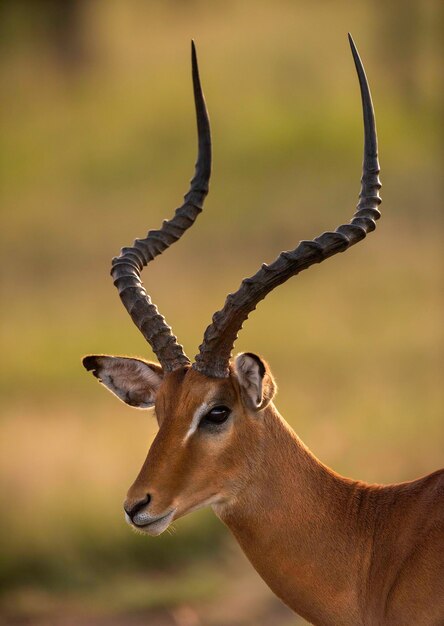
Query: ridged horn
{"x": 215, "y": 352}
{"x": 126, "y": 268}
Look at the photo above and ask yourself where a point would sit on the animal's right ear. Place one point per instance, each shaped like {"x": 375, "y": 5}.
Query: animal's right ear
{"x": 133, "y": 381}
{"x": 255, "y": 379}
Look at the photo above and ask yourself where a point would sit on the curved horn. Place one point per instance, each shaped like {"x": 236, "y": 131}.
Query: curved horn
{"x": 127, "y": 267}
{"x": 215, "y": 351}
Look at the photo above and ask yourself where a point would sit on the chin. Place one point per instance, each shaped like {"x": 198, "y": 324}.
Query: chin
{"x": 153, "y": 528}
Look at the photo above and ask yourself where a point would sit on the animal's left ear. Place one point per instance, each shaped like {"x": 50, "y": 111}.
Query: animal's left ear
{"x": 255, "y": 379}
{"x": 133, "y": 381}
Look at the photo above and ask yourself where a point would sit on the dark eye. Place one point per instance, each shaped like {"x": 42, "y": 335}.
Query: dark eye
{"x": 217, "y": 415}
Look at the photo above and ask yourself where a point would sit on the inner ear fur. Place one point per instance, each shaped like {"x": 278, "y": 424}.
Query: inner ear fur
{"x": 133, "y": 381}
{"x": 255, "y": 379}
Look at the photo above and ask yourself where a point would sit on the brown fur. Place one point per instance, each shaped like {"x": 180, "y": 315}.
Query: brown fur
{"x": 337, "y": 551}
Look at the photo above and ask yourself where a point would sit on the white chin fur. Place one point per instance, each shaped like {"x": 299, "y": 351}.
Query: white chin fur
{"x": 155, "y": 527}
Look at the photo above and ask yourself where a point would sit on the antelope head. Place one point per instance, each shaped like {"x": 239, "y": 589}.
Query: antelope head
{"x": 210, "y": 413}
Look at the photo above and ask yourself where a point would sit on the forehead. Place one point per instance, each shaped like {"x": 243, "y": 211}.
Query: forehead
{"x": 185, "y": 391}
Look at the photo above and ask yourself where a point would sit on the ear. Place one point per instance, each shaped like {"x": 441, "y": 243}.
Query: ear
{"x": 133, "y": 381}
{"x": 255, "y": 379}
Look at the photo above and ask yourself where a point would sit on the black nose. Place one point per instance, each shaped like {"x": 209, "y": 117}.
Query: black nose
{"x": 135, "y": 508}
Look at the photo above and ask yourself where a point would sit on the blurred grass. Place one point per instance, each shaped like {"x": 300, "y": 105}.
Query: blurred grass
{"x": 93, "y": 158}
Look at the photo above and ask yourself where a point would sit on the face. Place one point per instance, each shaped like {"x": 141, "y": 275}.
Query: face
{"x": 209, "y": 434}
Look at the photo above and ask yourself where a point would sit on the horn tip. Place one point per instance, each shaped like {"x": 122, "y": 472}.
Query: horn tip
{"x": 193, "y": 55}
{"x": 353, "y": 46}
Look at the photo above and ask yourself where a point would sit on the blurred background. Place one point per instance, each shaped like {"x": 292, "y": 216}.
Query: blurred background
{"x": 97, "y": 145}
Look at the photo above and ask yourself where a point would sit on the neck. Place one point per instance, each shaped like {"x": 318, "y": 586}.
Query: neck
{"x": 296, "y": 522}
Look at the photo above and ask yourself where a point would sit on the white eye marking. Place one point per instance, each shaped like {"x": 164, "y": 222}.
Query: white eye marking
{"x": 198, "y": 414}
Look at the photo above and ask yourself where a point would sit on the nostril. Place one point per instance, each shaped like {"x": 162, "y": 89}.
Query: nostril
{"x": 131, "y": 510}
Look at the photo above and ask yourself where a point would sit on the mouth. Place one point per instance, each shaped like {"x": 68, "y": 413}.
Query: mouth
{"x": 151, "y": 525}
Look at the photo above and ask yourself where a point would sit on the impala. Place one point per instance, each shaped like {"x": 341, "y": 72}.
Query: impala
{"x": 337, "y": 551}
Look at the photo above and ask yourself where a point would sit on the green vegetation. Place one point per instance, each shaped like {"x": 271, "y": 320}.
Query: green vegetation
{"x": 96, "y": 152}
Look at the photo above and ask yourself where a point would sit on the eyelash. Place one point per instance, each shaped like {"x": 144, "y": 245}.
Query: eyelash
{"x": 217, "y": 416}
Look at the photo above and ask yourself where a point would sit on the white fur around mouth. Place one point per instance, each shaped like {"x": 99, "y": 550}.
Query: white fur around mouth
{"x": 151, "y": 525}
